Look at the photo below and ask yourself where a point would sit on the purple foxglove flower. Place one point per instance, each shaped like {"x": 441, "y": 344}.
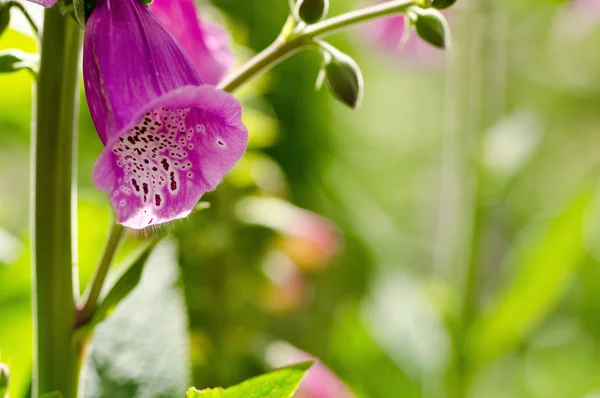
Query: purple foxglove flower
{"x": 167, "y": 139}
{"x": 207, "y": 44}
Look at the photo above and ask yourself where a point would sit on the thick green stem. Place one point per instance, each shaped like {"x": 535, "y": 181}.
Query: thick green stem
{"x": 53, "y": 143}
{"x": 288, "y": 44}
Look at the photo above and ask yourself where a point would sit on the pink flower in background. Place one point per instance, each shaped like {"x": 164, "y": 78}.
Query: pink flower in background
{"x": 395, "y": 36}
{"x": 588, "y": 5}
{"x": 391, "y": 34}
{"x": 207, "y": 44}
{"x": 319, "y": 382}
{"x": 309, "y": 239}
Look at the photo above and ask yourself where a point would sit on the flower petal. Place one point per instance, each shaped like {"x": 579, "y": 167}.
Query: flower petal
{"x": 129, "y": 59}
{"x": 45, "y": 3}
{"x": 206, "y": 43}
{"x": 179, "y": 146}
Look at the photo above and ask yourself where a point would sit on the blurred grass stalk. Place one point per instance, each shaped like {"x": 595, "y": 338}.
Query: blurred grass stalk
{"x": 475, "y": 97}
{"x": 53, "y": 143}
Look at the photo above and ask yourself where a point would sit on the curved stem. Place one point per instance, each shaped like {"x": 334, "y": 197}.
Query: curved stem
{"x": 27, "y": 16}
{"x": 95, "y": 287}
{"x": 286, "y": 45}
{"x": 53, "y": 146}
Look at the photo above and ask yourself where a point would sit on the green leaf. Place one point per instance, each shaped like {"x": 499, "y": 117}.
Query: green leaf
{"x": 543, "y": 263}
{"x": 279, "y": 383}
{"x": 53, "y": 394}
{"x": 79, "y": 10}
{"x": 208, "y": 393}
{"x": 15, "y": 60}
{"x": 142, "y": 349}
{"x": 124, "y": 284}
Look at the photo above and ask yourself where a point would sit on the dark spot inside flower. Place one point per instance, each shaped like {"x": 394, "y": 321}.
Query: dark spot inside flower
{"x": 165, "y": 164}
{"x": 157, "y": 199}
{"x": 220, "y": 142}
{"x": 146, "y": 161}
{"x": 154, "y": 168}
{"x": 145, "y": 187}
{"x": 135, "y": 184}
{"x": 173, "y": 182}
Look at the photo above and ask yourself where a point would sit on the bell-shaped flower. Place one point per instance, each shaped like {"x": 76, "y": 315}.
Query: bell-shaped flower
{"x": 207, "y": 44}
{"x": 168, "y": 139}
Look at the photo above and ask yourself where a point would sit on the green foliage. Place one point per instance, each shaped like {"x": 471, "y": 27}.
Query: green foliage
{"x": 142, "y": 349}
{"x": 543, "y": 262}
{"x": 279, "y": 383}
{"x": 206, "y": 393}
{"x": 54, "y": 394}
{"x": 79, "y": 9}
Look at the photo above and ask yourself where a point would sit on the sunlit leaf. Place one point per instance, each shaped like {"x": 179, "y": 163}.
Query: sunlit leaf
{"x": 279, "y": 383}
{"x": 208, "y": 393}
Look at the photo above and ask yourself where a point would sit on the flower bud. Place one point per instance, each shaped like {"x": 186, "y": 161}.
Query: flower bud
{"x": 431, "y": 26}
{"x": 342, "y": 76}
{"x": 442, "y": 4}
{"x": 312, "y": 11}
{"x": 4, "y": 380}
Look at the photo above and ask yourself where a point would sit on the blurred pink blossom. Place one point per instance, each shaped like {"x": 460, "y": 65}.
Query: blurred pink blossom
{"x": 319, "y": 382}
{"x": 309, "y": 239}
{"x": 392, "y": 35}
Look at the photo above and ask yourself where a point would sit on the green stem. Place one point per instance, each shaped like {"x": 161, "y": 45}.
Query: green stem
{"x": 95, "y": 287}
{"x": 288, "y": 44}
{"x": 53, "y": 145}
{"x": 27, "y": 16}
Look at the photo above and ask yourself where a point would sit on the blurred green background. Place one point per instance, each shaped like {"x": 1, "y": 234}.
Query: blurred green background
{"x": 462, "y": 253}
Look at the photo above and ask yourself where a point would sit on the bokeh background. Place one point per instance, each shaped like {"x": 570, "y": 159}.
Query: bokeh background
{"x": 449, "y": 244}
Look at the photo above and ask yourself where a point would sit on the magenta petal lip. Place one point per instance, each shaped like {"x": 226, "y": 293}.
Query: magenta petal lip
{"x": 178, "y": 147}
{"x": 207, "y": 44}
